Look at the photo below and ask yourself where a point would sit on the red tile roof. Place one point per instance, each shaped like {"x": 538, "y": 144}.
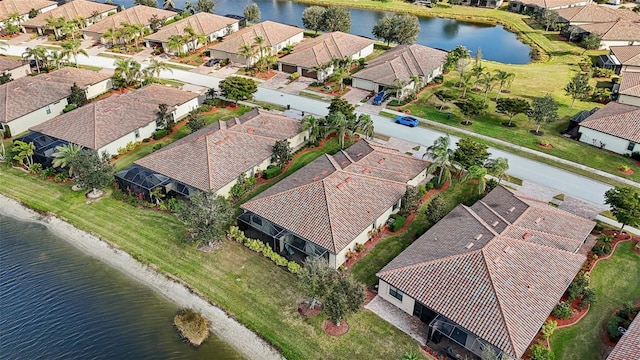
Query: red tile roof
{"x": 324, "y": 48}
{"x": 616, "y": 119}
{"x": 630, "y": 84}
{"x": 551, "y": 4}
{"x": 493, "y": 280}
{"x": 622, "y": 30}
{"x": 22, "y": 7}
{"x": 7, "y": 63}
{"x": 596, "y": 14}
{"x": 628, "y": 348}
{"x": 202, "y": 23}
{"x": 70, "y": 11}
{"x": 628, "y": 55}
{"x": 138, "y": 14}
{"x": 272, "y": 32}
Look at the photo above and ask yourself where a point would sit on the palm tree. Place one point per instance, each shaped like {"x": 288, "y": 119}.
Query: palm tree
{"x": 38, "y": 54}
{"x": 63, "y": 156}
{"x": 129, "y": 70}
{"x": 465, "y": 81}
{"x": 311, "y": 123}
{"x": 72, "y": 47}
{"x": 57, "y": 25}
{"x": 258, "y": 41}
{"x": 398, "y": 86}
{"x": 339, "y": 124}
{"x": 486, "y": 79}
{"x": 248, "y": 53}
{"x": 211, "y": 93}
{"x": 156, "y": 67}
{"x": 169, "y": 4}
{"x": 498, "y": 167}
{"x": 176, "y": 44}
{"x": 57, "y": 58}
{"x": 477, "y": 173}
{"x": 477, "y": 71}
{"x": 193, "y": 39}
{"x": 504, "y": 78}
{"x": 112, "y": 35}
{"x": 365, "y": 125}
{"x": 137, "y": 31}
{"x": 441, "y": 159}
{"x": 23, "y": 151}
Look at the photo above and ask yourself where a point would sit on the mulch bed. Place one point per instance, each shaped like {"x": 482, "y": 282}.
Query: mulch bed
{"x": 333, "y": 330}
{"x": 575, "y": 317}
{"x": 628, "y": 172}
{"x": 546, "y": 147}
{"x": 307, "y": 312}
{"x": 466, "y": 123}
{"x": 506, "y": 124}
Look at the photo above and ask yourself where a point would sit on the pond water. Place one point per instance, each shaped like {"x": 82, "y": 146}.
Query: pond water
{"x": 497, "y": 44}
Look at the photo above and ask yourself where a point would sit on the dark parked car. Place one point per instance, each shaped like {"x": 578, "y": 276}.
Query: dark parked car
{"x": 380, "y": 97}
{"x": 407, "y": 120}
{"x": 212, "y": 62}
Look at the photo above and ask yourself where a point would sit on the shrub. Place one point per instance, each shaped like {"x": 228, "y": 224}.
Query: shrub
{"x": 395, "y": 102}
{"x": 588, "y": 297}
{"x": 438, "y": 79}
{"x": 61, "y": 177}
{"x": 562, "y": 310}
{"x": 635, "y": 155}
{"x": 48, "y": 172}
{"x": 35, "y": 168}
{"x": 205, "y": 108}
{"x": 601, "y": 73}
{"x": 548, "y": 328}
{"x": 146, "y": 140}
{"x": 271, "y": 171}
{"x": 212, "y": 102}
{"x": 69, "y": 108}
{"x": 359, "y": 248}
{"x": 612, "y": 327}
{"x": 398, "y": 222}
{"x": 160, "y": 133}
{"x": 258, "y": 246}
{"x": 578, "y": 285}
{"x": 544, "y": 142}
{"x": 541, "y": 352}
{"x": 625, "y": 167}
{"x": 293, "y": 267}
{"x": 422, "y": 190}
{"x": 294, "y": 75}
{"x": 157, "y": 147}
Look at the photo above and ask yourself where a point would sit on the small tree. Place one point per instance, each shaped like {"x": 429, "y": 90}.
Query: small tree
{"x": 346, "y": 296}
{"x": 252, "y": 13}
{"x": 397, "y": 28}
{"x": 23, "y": 152}
{"x": 238, "y": 88}
{"x": 196, "y": 122}
{"x": 5, "y": 77}
{"x": 164, "y": 119}
{"x": 543, "y": 110}
{"x": 342, "y": 106}
{"x": 460, "y": 52}
{"x": 578, "y": 88}
{"x": 470, "y": 108}
{"x": 410, "y": 200}
{"x": 625, "y": 205}
{"x": 576, "y": 288}
{"x": 548, "y": 18}
{"x": 78, "y": 96}
{"x": 336, "y": 18}
{"x": 497, "y": 167}
{"x": 548, "y": 328}
{"x": 512, "y": 107}
{"x": 151, "y": 3}
{"x": 541, "y": 352}
{"x": 591, "y": 42}
{"x": 282, "y": 153}
{"x": 470, "y": 152}
{"x": 436, "y": 210}
{"x": 312, "y": 18}
{"x": 93, "y": 171}
{"x": 315, "y": 278}
{"x": 205, "y": 6}
{"x": 206, "y": 216}
{"x": 63, "y": 157}
{"x": 477, "y": 173}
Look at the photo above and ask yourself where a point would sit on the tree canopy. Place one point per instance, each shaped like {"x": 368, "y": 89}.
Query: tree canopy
{"x": 578, "y": 88}
{"x": 93, "y": 171}
{"x": 336, "y": 18}
{"x": 436, "y": 210}
{"x": 625, "y": 205}
{"x": 470, "y": 152}
{"x": 543, "y": 110}
{"x": 205, "y": 6}
{"x": 78, "y": 96}
{"x": 397, "y": 28}
{"x": 238, "y": 88}
{"x": 206, "y": 216}
{"x": 346, "y": 296}
{"x": 315, "y": 278}
{"x": 312, "y": 18}
{"x": 282, "y": 153}
{"x": 341, "y": 105}
{"x": 512, "y": 107}
{"x": 252, "y": 13}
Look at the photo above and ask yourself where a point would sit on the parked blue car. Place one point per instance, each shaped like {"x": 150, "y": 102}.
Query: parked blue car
{"x": 380, "y": 97}
{"x": 407, "y": 120}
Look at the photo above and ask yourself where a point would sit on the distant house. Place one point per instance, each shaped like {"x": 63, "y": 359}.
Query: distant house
{"x": 404, "y": 62}
{"x": 32, "y": 100}
{"x": 111, "y": 123}
{"x": 276, "y": 36}
{"x": 628, "y": 348}
{"x": 489, "y": 275}
{"x": 213, "y": 158}
{"x": 333, "y": 203}
{"x": 138, "y": 14}
{"x": 210, "y": 25}
{"x": 23, "y": 7}
{"x": 618, "y": 33}
{"x": 629, "y": 92}
{"x": 594, "y": 13}
{"x": 479, "y": 3}
{"x": 628, "y": 56}
{"x": 536, "y": 6}
{"x": 90, "y": 11}
{"x": 17, "y": 68}
{"x": 312, "y": 57}
{"x": 615, "y": 127}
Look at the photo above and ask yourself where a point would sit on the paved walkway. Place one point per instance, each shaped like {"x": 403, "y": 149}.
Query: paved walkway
{"x": 585, "y": 209}
{"x": 409, "y": 324}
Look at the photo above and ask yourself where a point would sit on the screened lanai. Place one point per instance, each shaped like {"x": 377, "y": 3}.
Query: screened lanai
{"x": 467, "y": 340}
{"x": 138, "y": 180}
{"x": 45, "y": 147}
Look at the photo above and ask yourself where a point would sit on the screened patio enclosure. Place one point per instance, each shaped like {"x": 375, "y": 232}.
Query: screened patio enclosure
{"x": 281, "y": 240}
{"x": 45, "y": 147}
{"x": 442, "y": 325}
{"x": 138, "y": 180}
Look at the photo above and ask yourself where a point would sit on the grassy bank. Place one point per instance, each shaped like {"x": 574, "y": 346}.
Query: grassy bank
{"x": 615, "y": 281}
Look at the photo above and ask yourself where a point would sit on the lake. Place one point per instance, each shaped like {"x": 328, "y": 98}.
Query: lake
{"x": 58, "y": 303}
{"x": 497, "y": 44}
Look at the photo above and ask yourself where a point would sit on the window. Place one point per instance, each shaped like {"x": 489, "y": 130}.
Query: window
{"x": 393, "y": 291}
{"x": 47, "y": 109}
{"x": 373, "y": 226}
{"x": 137, "y": 134}
{"x": 396, "y": 206}
{"x": 631, "y": 146}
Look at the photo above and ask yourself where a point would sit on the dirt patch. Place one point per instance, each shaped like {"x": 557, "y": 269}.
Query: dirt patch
{"x": 333, "y": 330}
{"x": 207, "y": 248}
{"x": 307, "y": 312}
{"x": 536, "y": 133}
{"x": 507, "y": 124}
{"x": 466, "y": 123}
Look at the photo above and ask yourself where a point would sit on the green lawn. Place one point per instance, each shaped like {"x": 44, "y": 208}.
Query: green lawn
{"x": 616, "y": 283}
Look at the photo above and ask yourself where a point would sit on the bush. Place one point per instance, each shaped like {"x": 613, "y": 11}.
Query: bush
{"x": 601, "y": 73}
{"x": 438, "y": 79}
{"x": 212, "y": 102}
{"x": 359, "y": 248}
{"x": 541, "y": 352}
{"x": 293, "y": 267}
{"x": 635, "y": 155}
{"x": 271, "y": 171}
{"x": 35, "y": 168}
{"x": 61, "y": 177}
{"x": 48, "y": 172}
{"x": 205, "y": 108}
{"x": 422, "y": 190}
{"x": 562, "y": 310}
{"x": 612, "y": 327}
{"x": 146, "y": 140}
{"x": 157, "y": 147}
{"x": 160, "y": 133}
{"x": 294, "y": 76}
{"x": 258, "y": 246}
{"x": 69, "y": 108}
{"x": 398, "y": 222}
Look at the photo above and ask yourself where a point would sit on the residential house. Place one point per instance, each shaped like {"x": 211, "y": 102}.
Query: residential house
{"x": 213, "y": 158}
{"x": 628, "y": 348}
{"x": 536, "y": 6}
{"x": 627, "y": 56}
{"x": 629, "y": 91}
{"x": 313, "y": 57}
{"x": 489, "y": 275}
{"x": 402, "y": 66}
{"x": 333, "y": 203}
{"x": 17, "y": 68}
{"x": 138, "y": 14}
{"x": 22, "y": 8}
{"x": 209, "y": 25}
{"x": 90, "y": 11}
{"x": 492, "y": 4}
{"x": 111, "y": 123}
{"x": 619, "y": 33}
{"x": 32, "y": 100}
{"x": 594, "y": 13}
{"x": 276, "y": 36}
{"x": 615, "y": 127}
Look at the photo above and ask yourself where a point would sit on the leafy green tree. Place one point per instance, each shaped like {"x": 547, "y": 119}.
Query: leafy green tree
{"x": 205, "y": 6}
{"x": 282, "y": 153}
{"x": 591, "y": 42}
{"x": 541, "y": 352}
{"x": 625, "y": 205}
{"x": 543, "y": 110}
{"x": 470, "y": 108}
{"x": 63, "y": 157}
{"x": 33, "y": 13}
{"x": 313, "y": 18}
{"x": 410, "y": 200}
{"x": 152, "y": 3}
{"x": 497, "y": 167}
{"x": 397, "y": 28}
{"x": 578, "y": 88}
{"x": 93, "y": 171}
{"x": 238, "y": 88}
{"x": 312, "y": 124}
{"x": 206, "y": 216}
{"x": 385, "y": 29}
{"x": 459, "y": 52}
{"x": 512, "y": 107}
{"x": 252, "y": 13}
{"x": 23, "y": 152}
{"x": 346, "y": 296}
{"x": 336, "y": 18}
{"x": 196, "y": 122}
{"x": 441, "y": 159}
{"x": 436, "y": 210}
{"x": 477, "y": 173}
{"x": 316, "y": 278}
{"x": 78, "y": 96}
{"x": 548, "y": 18}
{"x": 341, "y": 105}
{"x": 444, "y": 96}
{"x": 470, "y": 152}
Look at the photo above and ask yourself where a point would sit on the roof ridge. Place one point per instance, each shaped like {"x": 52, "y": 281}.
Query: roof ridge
{"x": 424, "y": 263}
{"x": 543, "y": 232}
{"x": 545, "y": 247}
{"x": 480, "y": 220}
{"x": 209, "y": 174}
{"x": 373, "y": 177}
{"x": 326, "y": 203}
{"x": 541, "y": 205}
{"x": 495, "y": 213}
{"x": 95, "y": 125}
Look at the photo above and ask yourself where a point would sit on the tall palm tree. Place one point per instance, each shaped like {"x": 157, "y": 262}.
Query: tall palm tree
{"x": 38, "y": 54}
{"x": 248, "y": 52}
{"x": 365, "y": 125}
{"x": 398, "y": 86}
{"x": 465, "y": 81}
{"x": 259, "y": 41}
{"x": 193, "y": 39}
{"x": 339, "y": 123}
{"x": 486, "y": 80}
{"x": 441, "y": 159}
{"x": 56, "y": 58}
{"x": 311, "y": 123}
{"x": 477, "y": 71}
{"x": 57, "y": 25}
{"x": 112, "y": 35}
{"x": 129, "y": 70}
{"x": 156, "y": 67}
{"x": 72, "y": 47}
{"x": 503, "y": 77}
{"x": 477, "y": 173}
{"x": 63, "y": 156}
{"x": 176, "y": 44}
{"x": 137, "y": 32}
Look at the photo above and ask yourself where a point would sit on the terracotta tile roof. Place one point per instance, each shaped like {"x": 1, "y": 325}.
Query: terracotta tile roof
{"x": 551, "y": 4}
{"x": 324, "y": 48}
{"x": 620, "y": 30}
{"x": 99, "y": 123}
{"x": 616, "y": 119}
{"x": 628, "y": 55}
{"x": 596, "y": 14}
{"x": 329, "y": 204}
{"x": 70, "y": 11}
{"x": 401, "y": 63}
{"x": 272, "y": 32}
{"x": 214, "y": 156}
{"x": 628, "y": 348}
{"x": 202, "y": 23}
{"x": 499, "y": 287}
{"x": 7, "y": 63}
{"x": 24, "y": 95}
{"x": 138, "y": 14}
{"x": 22, "y": 7}
{"x": 630, "y": 84}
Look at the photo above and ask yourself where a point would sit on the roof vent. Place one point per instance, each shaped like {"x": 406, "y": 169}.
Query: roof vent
{"x": 435, "y": 239}
{"x": 538, "y": 220}
{"x": 339, "y": 186}
{"x": 219, "y": 142}
{"x": 343, "y": 162}
{"x": 348, "y": 179}
{"x": 227, "y": 138}
{"x": 495, "y": 223}
{"x": 511, "y": 209}
{"x": 366, "y": 171}
{"x": 381, "y": 161}
{"x": 250, "y": 130}
{"x": 316, "y": 178}
{"x": 496, "y": 260}
{"x": 325, "y": 172}
{"x": 359, "y": 154}
{"x": 506, "y": 248}
{"x": 469, "y": 246}
{"x": 526, "y": 236}
{"x": 478, "y": 237}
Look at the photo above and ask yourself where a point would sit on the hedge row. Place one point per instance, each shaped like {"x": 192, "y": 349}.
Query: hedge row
{"x": 258, "y": 246}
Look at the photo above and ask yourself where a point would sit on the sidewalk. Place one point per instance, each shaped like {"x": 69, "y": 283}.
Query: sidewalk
{"x": 627, "y": 228}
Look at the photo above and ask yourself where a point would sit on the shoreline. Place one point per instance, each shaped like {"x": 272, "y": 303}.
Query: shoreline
{"x": 243, "y": 340}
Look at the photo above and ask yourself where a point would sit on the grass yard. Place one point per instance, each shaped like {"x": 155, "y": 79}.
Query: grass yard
{"x": 245, "y": 284}
{"x": 615, "y": 281}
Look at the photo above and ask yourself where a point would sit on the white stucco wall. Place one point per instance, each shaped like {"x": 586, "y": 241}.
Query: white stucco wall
{"x": 630, "y": 100}
{"x": 144, "y": 132}
{"x": 407, "y": 304}
{"x": 416, "y": 180}
{"x": 298, "y": 140}
{"x": 98, "y": 88}
{"x": 290, "y": 41}
{"x": 363, "y": 53}
{"x": 20, "y": 72}
{"x": 184, "y": 109}
{"x": 39, "y": 116}
{"x": 224, "y": 191}
{"x": 631, "y": 68}
{"x": 608, "y": 43}
{"x": 613, "y": 143}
